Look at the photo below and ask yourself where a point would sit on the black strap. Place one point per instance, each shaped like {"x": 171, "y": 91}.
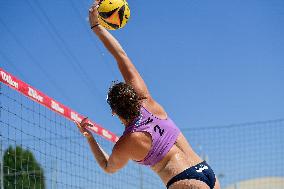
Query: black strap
{"x": 97, "y": 24}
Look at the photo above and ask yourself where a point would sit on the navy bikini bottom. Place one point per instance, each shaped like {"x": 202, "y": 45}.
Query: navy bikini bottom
{"x": 201, "y": 171}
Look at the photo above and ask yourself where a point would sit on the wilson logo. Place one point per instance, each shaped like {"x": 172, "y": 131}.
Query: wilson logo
{"x": 94, "y": 128}
{"x": 106, "y": 134}
{"x": 9, "y": 80}
{"x": 75, "y": 117}
{"x": 56, "y": 107}
{"x": 32, "y": 93}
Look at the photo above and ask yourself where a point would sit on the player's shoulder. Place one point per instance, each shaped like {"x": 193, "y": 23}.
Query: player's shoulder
{"x": 130, "y": 139}
{"x": 131, "y": 144}
{"x": 155, "y": 108}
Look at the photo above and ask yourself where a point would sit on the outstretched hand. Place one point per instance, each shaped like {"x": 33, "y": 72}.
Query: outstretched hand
{"x": 93, "y": 14}
{"x": 82, "y": 127}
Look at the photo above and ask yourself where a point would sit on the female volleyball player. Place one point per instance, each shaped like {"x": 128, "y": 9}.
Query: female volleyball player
{"x": 150, "y": 138}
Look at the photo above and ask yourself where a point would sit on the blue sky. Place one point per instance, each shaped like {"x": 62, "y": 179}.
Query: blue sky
{"x": 207, "y": 62}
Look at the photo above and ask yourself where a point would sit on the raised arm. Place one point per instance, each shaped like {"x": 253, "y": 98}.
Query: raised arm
{"x": 126, "y": 67}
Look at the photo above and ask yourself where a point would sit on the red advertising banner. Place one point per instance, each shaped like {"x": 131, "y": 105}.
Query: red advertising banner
{"x": 52, "y": 104}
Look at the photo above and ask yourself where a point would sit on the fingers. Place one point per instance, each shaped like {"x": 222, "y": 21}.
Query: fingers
{"x": 98, "y": 2}
{"x": 77, "y": 124}
{"x": 92, "y": 9}
{"x": 83, "y": 122}
{"x": 79, "y": 127}
{"x": 86, "y": 134}
{"x": 94, "y": 6}
{"x": 83, "y": 131}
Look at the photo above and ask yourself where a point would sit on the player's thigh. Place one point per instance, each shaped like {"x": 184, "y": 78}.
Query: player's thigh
{"x": 189, "y": 184}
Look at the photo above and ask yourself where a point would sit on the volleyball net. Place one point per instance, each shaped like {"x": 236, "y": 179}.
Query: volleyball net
{"x": 40, "y": 147}
{"x": 243, "y": 156}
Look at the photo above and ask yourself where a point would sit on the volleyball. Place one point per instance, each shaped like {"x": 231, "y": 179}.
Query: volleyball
{"x": 113, "y": 14}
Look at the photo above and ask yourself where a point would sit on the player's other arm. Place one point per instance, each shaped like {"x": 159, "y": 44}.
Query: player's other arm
{"x": 126, "y": 67}
{"x": 119, "y": 156}
{"x": 110, "y": 164}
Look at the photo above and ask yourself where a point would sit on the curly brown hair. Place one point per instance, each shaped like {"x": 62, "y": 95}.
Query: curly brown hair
{"x": 124, "y": 101}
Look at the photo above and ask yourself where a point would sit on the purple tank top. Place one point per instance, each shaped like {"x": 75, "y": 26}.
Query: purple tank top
{"x": 164, "y": 133}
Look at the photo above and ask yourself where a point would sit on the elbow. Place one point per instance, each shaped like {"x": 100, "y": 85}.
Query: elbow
{"x": 109, "y": 171}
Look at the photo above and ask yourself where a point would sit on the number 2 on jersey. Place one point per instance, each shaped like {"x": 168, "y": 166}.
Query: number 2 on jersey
{"x": 161, "y": 131}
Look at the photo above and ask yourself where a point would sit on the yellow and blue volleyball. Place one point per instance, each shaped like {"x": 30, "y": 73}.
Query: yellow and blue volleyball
{"x": 113, "y": 14}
